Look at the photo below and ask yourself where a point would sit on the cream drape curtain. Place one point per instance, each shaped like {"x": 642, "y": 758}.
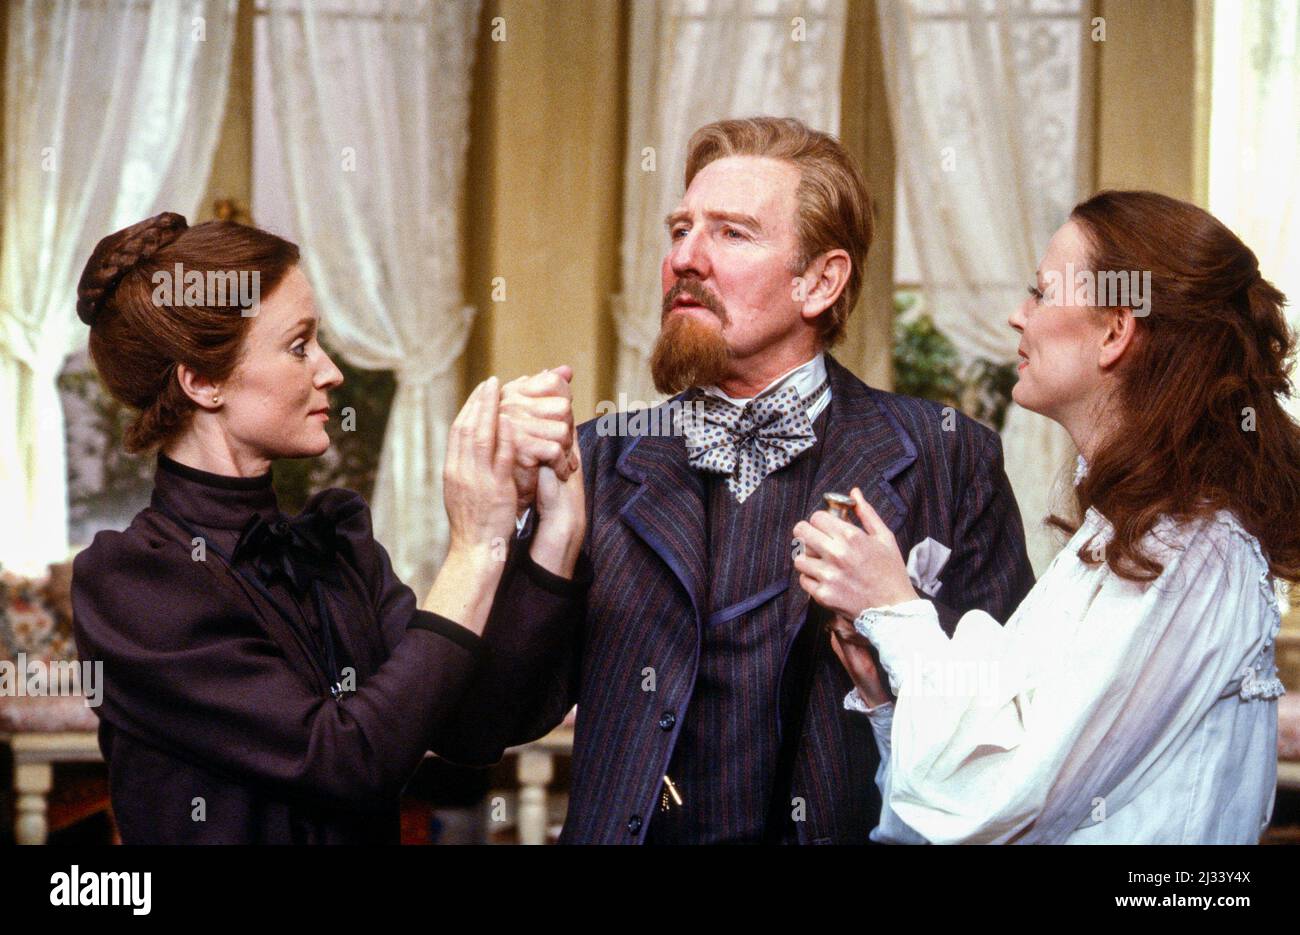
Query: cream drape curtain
{"x": 371, "y": 103}
{"x": 986, "y": 102}
{"x": 112, "y": 110}
{"x": 692, "y": 62}
{"x": 1254, "y": 168}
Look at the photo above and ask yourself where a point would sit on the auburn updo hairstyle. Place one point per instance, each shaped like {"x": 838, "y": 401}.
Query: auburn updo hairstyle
{"x": 137, "y": 342}
{"x": 1201, "y": 424}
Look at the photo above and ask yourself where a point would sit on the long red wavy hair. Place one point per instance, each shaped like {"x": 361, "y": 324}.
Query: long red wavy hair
{"x": 1200, "y": 424}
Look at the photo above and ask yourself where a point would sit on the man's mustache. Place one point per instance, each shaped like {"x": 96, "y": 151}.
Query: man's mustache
{"x": 695, "y": 290}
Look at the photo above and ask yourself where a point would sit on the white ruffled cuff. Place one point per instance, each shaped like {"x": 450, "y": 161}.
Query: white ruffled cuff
{"x": 881, "y": 718}
{"x": 855, "y": 702}
{"x": 901, "y": 632}
{"x": 867, "y": 621}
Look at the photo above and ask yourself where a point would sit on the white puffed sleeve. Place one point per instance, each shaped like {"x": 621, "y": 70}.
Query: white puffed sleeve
{"x": 1018, "y": 733}
{"x": 891, "y": 829}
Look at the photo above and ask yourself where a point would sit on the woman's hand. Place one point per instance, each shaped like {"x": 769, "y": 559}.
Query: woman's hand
{"x": 562, "y": 517}
{"x": 846, "y": 569}
{"x": 477, "y": 484}
{"x": 859, "y": 660}
{"x": 478, "y": 491}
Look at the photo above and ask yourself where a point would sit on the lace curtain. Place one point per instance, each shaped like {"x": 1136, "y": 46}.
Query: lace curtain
{"x": 111, "y": 114}
{"x": 986, "y": 100}
{"x": 371, "y": 103}
{"x": 692, "y": 62}
{"x": 1254, "y": 169}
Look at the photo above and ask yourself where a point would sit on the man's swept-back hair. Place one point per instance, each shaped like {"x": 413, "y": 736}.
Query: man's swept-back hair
{"x": 834, "y": 207}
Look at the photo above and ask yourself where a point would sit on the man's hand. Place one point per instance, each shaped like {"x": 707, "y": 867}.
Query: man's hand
{"x": 562, "y": 519}
{"x": 847, "y": 569}
{"x": 540, "y": 410}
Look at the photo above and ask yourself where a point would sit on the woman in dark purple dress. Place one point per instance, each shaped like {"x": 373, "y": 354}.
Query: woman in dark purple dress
{"x": 269, "y": 679}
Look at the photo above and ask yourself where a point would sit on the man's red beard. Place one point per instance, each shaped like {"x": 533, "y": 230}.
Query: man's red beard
{"x": 688, "y": 353}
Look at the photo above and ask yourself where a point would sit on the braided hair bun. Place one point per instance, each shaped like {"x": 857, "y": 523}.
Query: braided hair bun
{"x": 118, "y": 254}
{"x": 139, "y": 338}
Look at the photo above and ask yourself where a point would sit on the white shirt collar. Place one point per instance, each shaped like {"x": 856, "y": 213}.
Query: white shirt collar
{"x": 805, "y": 378}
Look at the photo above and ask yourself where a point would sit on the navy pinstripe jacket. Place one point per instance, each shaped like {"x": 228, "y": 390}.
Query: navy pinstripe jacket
{"x": 627, "y": 653}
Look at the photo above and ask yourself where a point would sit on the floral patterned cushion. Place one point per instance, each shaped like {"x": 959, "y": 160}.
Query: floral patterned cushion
{"x": 46, "y": 715}
{"x": 36, "y": 615}
{"x": 36, "y": 622}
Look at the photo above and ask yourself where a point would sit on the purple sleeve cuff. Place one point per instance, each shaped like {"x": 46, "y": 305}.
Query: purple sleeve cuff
{"x": 462, "y": 636}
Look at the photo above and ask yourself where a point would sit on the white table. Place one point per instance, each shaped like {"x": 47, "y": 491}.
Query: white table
{"x": 34, "y": 757}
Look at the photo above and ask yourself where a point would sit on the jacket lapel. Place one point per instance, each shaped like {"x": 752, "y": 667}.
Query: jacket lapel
{"x": 667, "y": 509}
{"x": 864, "y": 447}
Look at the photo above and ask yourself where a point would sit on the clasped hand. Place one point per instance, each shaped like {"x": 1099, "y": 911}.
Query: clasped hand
{"x": 509, "y": 448}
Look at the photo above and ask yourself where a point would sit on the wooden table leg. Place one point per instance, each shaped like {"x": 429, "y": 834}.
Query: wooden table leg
{"x": 535, "y": 770}
{"x": 32, "y": 782}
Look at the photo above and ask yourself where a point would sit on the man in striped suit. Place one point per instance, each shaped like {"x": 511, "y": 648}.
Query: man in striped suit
{"x": 710, "y": 705}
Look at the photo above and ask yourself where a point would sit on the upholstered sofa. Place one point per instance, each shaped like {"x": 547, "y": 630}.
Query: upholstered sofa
{"x": 36, "y": 625}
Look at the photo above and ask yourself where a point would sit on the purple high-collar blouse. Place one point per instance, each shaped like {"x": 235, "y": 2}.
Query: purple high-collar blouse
{"x": 217, "y": 721}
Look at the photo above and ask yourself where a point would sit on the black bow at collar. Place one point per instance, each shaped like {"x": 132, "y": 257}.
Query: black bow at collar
{"x": 299, "y": 549}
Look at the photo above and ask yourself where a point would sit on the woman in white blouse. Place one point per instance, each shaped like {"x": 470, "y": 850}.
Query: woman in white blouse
{"x": 1131, "y": 698}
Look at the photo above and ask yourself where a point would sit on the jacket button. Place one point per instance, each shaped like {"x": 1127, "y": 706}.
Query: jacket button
{"x": 634, "y": 824}
{"x": 667, "y": 720}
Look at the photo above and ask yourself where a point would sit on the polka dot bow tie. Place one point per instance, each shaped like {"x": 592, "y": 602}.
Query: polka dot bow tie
{"x": 747, "y": 444}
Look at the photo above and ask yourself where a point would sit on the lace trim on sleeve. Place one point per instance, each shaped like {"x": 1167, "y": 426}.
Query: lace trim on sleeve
{"x": 1259, "y": 681}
